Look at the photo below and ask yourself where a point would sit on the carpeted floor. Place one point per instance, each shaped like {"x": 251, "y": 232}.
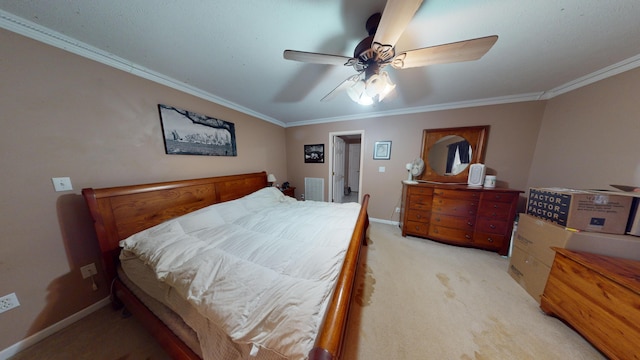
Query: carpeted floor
{"x": 415, "y": 299}
{"x": 103, "y": 335}
{"x": 420, "y": 299}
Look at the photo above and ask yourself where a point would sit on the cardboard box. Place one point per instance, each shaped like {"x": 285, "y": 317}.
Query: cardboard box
{"x": 633, "y": 225}
{"x": 536, "y": 237}
{"x": 532, "y": 256}
{"x": 581, "y": 209}
{"x": 529, "y": 272}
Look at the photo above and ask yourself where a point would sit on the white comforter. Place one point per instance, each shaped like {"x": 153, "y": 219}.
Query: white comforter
{"x": 262, "y": 267}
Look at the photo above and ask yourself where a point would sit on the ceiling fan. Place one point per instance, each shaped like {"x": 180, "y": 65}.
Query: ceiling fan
{"x": 377, "y": 50}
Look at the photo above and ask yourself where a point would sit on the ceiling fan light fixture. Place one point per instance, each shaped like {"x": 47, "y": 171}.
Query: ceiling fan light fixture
{"x": 355, "y": 91}
{"x": 388, "y": 86}
{"x": 358, "y": 93}
{"x": 375, "y": 88}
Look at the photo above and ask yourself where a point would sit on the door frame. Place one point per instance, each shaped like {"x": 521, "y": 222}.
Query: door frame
{"x": 331, "y": 155}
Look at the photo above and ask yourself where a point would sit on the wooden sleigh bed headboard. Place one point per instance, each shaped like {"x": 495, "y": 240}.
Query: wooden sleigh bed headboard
{"x": 119, "y": 212}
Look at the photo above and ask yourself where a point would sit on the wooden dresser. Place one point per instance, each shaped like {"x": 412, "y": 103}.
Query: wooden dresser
{"x": 460, "y": 215}
{"x": 600, "y": 297}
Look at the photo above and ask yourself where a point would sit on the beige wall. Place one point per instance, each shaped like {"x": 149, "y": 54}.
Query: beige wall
{"x": 63, "y": 115}
{"x": 590, "y": 137}
{"x": 510, "y": 147}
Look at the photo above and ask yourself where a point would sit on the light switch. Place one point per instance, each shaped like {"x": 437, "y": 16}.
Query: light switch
{"x": 382, "y": 169}
{"x": 62, "y": 184}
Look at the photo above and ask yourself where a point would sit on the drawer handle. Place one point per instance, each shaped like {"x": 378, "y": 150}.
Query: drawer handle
{"x": 495, "y": 206}
{"x": 494, "y": 214}
{"x": 437, "y": 219}
{"x": 490, "y": 240}
{"x": 492, "y": 226}
{"x": 469, "y": 223}
{"x": 498, "y": 197}
{"x": 419, "y": 216}
{"x": 467, "y": 236}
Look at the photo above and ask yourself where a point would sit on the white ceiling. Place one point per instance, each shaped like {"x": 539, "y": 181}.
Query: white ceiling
{"x": 230, "y": 52}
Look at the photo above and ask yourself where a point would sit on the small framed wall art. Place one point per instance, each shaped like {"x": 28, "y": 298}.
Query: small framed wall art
{"x": 382, "y": 150}
{"x": 314, "y": 153}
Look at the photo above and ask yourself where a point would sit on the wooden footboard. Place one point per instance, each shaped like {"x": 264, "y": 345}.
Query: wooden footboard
{"x": 119, "y": 212}
{"x": 328, "y": 345}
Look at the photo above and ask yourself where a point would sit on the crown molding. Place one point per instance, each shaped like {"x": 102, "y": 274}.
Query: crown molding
{"x": 428, "y": 108}
{"x": 609, "y": 71}
{"x": 40, "y": 33}
{"x": 37, "y": 32}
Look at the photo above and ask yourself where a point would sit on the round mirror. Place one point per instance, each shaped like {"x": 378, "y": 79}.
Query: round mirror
{"x": 450, "y": 155}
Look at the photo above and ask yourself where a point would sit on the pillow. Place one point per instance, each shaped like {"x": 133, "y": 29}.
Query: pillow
{"x": 263, "y": 198}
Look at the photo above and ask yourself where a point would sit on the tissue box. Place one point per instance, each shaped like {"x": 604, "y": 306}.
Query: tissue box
{"x": 581, "y": 209}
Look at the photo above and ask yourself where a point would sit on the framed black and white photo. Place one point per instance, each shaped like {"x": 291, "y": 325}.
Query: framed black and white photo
{"x": 314, "y": 153}
{"x": 189, "y": 133}
{"x": 382, "y": 150}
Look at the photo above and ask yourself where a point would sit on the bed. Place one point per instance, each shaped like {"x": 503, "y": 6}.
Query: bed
{"x": 123, "y": 215}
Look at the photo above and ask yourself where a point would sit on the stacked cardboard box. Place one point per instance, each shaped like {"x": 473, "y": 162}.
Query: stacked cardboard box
{"x": 581, "y": 209}
{"x": 604, "y": 212}
{"x": 532, "y": 255}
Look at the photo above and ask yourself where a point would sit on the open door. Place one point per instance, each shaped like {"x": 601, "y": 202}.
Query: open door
{"x": 345, "y": 163}
{"x": 339, "y": 154}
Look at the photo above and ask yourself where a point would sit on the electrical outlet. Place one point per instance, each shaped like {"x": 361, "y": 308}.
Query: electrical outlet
{"x": 88, "y": 270}
{"x": 8, "y": 302}
{"x": 397, "y": 209}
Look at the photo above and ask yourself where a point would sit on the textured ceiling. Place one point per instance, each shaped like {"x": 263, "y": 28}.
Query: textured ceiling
{"x": 230, "y": 52}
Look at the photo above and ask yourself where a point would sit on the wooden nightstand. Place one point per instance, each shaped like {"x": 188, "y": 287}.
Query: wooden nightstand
{"x": 290, "y": 191}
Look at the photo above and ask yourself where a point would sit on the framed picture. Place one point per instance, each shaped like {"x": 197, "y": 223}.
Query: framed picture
{"x": 189, "y": 133}
{"x": 382, "y": 150}
{"x": 314, "y": 153}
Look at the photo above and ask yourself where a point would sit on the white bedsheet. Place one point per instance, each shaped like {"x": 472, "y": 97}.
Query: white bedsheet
{"x": 262, "y": 267}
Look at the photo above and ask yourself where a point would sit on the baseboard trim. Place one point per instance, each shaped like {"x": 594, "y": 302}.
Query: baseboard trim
{"x": 389, "y": 222}
{"x": 40, "y": 335}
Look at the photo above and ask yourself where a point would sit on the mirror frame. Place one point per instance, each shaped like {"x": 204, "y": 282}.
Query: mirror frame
{"x": 475, "y": 135}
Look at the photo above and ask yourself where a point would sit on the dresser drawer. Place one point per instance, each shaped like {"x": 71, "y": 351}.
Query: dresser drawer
{"x": 488, "y": 241}
{"x": 494, "y": 209}
{"x": 456, "y": 222}
{"x": 457, "y": 194}
{"x": 416, "y": 228}
{"x": 418, "y": 190}
{"x": 419, "y": 215}
{"x": 456, "y": 235}
{"x": 492, "y": 226}
{"x": 420, "y": 202}
{"x": 456, "y": 207}
{"x": 505, "y": 197}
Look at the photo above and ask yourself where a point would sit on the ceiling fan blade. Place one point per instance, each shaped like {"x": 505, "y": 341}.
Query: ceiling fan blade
{"x": 460, "y": 51}
{"x": 315, "y": 58}
{"x": 396, "y": 16}
{"x": 343, "y": 86}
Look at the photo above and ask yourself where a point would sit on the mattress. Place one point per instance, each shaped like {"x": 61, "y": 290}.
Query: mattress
{"x": 256, "y": 272}
{"x": 178, "y": 314}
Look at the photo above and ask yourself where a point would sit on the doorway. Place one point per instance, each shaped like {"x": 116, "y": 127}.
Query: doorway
{"x": 345, "y": 165}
